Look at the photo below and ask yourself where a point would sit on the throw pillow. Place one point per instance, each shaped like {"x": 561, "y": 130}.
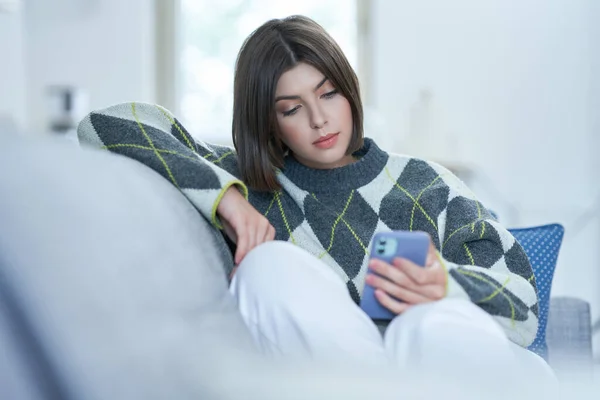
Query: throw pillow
{"x": 541, "y": 244}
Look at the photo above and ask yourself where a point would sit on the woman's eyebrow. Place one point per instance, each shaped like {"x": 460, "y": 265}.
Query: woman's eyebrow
{"x": 321, "y": 83}
{"x": 296, "y": 97}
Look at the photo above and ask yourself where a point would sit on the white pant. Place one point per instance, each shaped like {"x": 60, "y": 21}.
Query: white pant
{"x": 296, "y": 307}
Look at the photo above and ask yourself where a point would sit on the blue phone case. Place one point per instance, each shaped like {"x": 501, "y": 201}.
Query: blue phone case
{"x": 386, "y": 246}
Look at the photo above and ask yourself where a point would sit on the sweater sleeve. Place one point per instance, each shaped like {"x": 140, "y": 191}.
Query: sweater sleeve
{"x": 486, "y": 264}
{"x": 153, "y": 136}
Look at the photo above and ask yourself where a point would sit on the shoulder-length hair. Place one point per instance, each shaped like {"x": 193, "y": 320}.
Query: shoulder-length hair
{"x": 272, "y": 49}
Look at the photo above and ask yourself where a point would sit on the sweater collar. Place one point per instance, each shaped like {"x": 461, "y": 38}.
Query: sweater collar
{"x": 352, "y": 176}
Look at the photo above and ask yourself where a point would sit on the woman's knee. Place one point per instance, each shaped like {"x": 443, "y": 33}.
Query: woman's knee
{"x": 267, "y": 253}
{"x": 274, "y": 258}
{"x": 279, "y": 267}
{"x": 263, "y": 263}
{"x": 448, "y": 315}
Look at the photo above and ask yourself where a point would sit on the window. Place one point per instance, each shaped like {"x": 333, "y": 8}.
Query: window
{"x": 211, "y": 34}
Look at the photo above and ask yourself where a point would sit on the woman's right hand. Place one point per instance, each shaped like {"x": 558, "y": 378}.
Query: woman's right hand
{"x": 245, "y": 226}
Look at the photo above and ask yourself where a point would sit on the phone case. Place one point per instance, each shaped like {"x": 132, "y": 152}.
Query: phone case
{"x": 386, "y": 246}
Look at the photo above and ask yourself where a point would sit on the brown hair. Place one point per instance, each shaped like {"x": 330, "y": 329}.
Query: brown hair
{"x": 272, "y": 49}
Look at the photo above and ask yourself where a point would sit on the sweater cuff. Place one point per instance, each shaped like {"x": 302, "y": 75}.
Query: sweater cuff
{"x": 215, "y": 220}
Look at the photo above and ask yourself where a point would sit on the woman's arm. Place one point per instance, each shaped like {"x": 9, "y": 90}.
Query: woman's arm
{"x": 205, "y": 174}
{"x": 486, "y": 264}
{"x": 152, "y": 135}
{"x": 471, "y": 257}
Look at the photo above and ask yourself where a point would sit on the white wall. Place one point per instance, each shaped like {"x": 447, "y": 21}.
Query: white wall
{"x": 594, "y": 149}
{"x": 513, "y": 81}
{"x": 12, "y": 75}
{"x": 105, "y": 47}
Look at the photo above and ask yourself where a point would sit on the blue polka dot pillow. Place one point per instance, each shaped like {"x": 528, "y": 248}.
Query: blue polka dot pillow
{"x": 541, "y": 244}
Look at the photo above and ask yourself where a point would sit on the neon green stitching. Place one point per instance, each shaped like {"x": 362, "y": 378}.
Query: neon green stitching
{"x": 213, "y": 212}
{"x": 463, "y": 227}
{"x": 411, "y": 197}
{"x": 531, "y": 278}
{"x": 512, "y": 307}
{"x": 473, "y": 227}
{"x": 495, "y": 293}
{"x": 177, "y": 127}
{"x": 218, "y": 160}
{"x": 137, "y": 146}
{"x": 222, "y": 157}
{"x": 452, "y": 234}
{"x": 412, "y": 214}
{"x": 287, "y": 226}
{"x": 152, "y": 145}
{"x": 355, "y": 236}
{"x": 361, "y": 244}
{"x": 478, "y": 210}
{"x": 469, "y": 254}
{"x": 270, "y": 205}
{"x": 331, "y": 238}
{"x": 501, "y": 291}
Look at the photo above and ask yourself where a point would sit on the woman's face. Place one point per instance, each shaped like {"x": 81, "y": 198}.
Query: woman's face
{"x": 314, "y": 120}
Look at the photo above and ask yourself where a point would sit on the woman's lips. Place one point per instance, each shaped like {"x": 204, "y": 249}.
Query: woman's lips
{"x": 327, "y": 142}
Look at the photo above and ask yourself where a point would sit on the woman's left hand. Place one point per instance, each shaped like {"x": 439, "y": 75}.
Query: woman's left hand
{"x": 407, "y": 281}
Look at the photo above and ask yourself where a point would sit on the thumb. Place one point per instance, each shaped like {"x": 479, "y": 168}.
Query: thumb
{"x": 430, "y": 255}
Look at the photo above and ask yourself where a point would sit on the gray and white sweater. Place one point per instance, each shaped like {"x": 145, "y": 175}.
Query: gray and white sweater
{"x": 333, "y": 214}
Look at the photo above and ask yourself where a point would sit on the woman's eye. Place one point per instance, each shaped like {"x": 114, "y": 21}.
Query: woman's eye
{"x": 291, "y": 112}
{"x": 329, "y": 95}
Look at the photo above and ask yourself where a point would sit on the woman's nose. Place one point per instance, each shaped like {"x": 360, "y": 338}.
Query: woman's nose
{"x": 318, "y": 119}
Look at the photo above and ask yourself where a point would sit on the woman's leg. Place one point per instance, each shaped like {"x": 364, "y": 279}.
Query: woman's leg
{"x": 535, "y": 366}
{"x": 455, "y": 338}
{"x": 296, "y": 306}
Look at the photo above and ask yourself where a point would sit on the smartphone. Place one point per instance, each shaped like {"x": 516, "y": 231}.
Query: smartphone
{"x": 386, "y": 246}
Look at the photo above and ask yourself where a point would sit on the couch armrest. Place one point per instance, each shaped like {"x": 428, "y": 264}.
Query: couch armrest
{"x": 569, "y": 333}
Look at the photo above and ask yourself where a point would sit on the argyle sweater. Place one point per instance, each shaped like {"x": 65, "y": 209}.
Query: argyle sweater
{"x": 333, "y": 214}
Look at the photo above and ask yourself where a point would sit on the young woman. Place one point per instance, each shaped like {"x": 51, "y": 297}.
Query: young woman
{"x": 302, "y": 174}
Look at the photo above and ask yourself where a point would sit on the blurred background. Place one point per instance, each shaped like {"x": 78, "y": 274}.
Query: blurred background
{"x": 504, "y": 92}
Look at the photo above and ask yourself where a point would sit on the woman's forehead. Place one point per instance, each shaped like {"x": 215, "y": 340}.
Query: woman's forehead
{"x": 302, "y": 77}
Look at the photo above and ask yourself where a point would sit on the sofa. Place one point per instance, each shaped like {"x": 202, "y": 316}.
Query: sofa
{"x": 112, "y": 286}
